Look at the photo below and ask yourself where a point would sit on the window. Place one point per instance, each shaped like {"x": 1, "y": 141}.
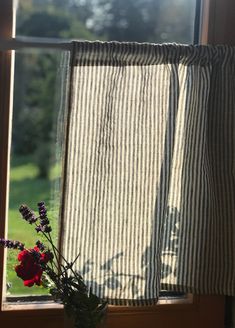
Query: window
{"x": 35, "y": 162}
{"x": 141, "y": 20}
{"x": 92, "y": 25}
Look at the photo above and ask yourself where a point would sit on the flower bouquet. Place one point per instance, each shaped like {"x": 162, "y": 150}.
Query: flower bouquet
{"x": 45, "y": 265}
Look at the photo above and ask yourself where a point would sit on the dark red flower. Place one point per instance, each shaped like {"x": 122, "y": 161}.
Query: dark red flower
{"x": 30, "y": 274}
{"x": 25, "y": 256}
{"x": 29, "y": 270}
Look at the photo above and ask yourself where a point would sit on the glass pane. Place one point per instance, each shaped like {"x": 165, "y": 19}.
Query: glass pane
{"x": 122, "y": 20}
{"x": 36, "y": 161}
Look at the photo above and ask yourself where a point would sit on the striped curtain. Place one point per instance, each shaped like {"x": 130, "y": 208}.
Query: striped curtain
{"x": 149, "y": 198}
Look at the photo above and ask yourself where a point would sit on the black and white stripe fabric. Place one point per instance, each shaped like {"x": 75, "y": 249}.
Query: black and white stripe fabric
{"x": 149, "y": 196}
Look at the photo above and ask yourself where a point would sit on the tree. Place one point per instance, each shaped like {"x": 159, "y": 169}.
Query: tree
{"x": 35, "y": 80}
{"x": 126, "y": 20}
{"x": 121, "y": 20}
{"x": 144, "y": 20}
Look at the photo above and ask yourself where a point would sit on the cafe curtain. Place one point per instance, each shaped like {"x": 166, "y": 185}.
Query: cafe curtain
{"x": 149, "y": 197}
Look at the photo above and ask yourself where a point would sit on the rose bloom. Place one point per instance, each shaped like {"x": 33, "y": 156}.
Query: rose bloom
{"x": 30, "y": 270}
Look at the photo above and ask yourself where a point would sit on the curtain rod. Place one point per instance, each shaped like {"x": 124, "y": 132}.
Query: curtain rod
{"x": 20, "y": 43}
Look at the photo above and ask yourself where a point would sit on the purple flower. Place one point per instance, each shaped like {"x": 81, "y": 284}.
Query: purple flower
{"x": 46, "y": 257}
{"x": 40, "y": 245}
{"x": 11, "y": 244}
{"x": 38, "y": 228}
{"x": 42, "y": 210}
{"x": 36, "y": 255}
{"x": 43, "y": 214}
{"x": 27, "y": 214}
{"x": 44, "y": 221}
{"x": 44, "y": 228}
{"x": 41, "y": 204}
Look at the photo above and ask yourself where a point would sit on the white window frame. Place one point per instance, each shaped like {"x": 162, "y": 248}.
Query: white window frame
{"x": 194, "y": 311}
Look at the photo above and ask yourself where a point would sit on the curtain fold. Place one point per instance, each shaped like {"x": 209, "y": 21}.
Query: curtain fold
{"x": 149, "y": 192}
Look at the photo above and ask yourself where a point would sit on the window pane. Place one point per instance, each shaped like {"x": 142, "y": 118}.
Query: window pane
{"x": 35, "y": 161}
{"x": 122, "y": 20}
{"x": 35, "y": 168}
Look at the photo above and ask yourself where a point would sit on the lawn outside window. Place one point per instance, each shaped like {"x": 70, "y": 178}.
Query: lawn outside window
{"x": 191, "y": 311}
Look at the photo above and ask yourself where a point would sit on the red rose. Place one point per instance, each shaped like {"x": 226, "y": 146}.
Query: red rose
{"x": 30, "y": 274}
{"x": 29, "y": 269}
{"x": 24, "y": 256}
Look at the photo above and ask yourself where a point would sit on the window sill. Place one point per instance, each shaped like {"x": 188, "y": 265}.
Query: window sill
{"x": 193, "y": 312}
{"x": 163, "y": 303}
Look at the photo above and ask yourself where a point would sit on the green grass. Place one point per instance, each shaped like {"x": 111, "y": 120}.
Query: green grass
{"x": 26, "y": 188}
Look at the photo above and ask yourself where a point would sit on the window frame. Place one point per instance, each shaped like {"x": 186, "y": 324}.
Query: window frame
{"x": 7, "y": 31}
{"x": 195, "y": 311}
{"x": 217, "y": 22}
